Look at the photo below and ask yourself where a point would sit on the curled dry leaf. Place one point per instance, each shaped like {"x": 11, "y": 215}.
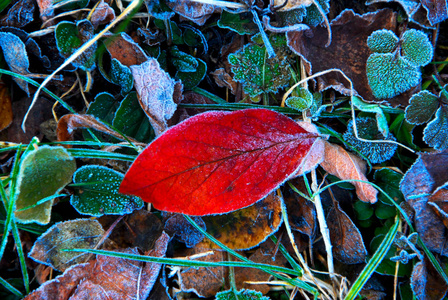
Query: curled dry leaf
{"x": 346, "y": 166}
{"x": 426, "y": 283}
{"x": 193, "y": 11}
{"x": 70, "y": 122}
{"x": 106, "y": 278}
{"x": 103, "y": 14}
{"x": 6, "y": 115}
{"x": 125, "y": 50}
{"x": 155, "y": 89}
{"x": 45, "y": 9}
{"x": 437, "y": 10}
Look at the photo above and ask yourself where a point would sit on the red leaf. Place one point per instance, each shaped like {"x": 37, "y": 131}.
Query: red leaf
{"x": 218, "y": 162}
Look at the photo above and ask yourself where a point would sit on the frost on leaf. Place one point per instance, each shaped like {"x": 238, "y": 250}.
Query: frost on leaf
{"x": 436, "y": 132}
{"x": 43, "y": 173}
{"x": 437, "y": 10}
{"x": 416, "y": 48}
{"x": 313, "y": 16}
{"x": 257, "y": 73}
{"x": 217, "y": 162}
{"x": 426, "y": 282}
{"x": 421, "y": 108}
{"x": 302, "y": 100}
{"x": 390, "y": 75}
{"x": 240, "y": 295}
{"x": 382, "y": 41}
{"x": 155, "y": 89}
{"x": 193, "y": 11}
{"x": 79, "y": 233}
{"x": 121, "y": 75}
{"x": 96, "y": 192}
{"x": 367, "y": 129}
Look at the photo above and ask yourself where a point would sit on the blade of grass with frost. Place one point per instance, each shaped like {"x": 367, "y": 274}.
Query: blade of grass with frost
{"x": 131, "y": 6}
{"x": 21, "y": 254}
{"x": 10, "y": 288}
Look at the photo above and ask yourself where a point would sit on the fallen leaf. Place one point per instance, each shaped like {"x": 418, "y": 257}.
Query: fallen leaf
{"x": 348, "y": 51}
{"x": 155, "y": 89}
{"x": 439, "y": 202}
{"x": 6, "y": 114}
{"x": 437, "y": 10}
{"x": 217, "y": 162}
{"x": 20, "y": 14}
{"x": 103, "y": 14}
{"x": 346, "y": 166}
{"x": 70, "y": 122}
{"x": 240, "y": 295}
{"x": 78, "y": 233}
{"x": 426, "y": 283}
{"x": 96, "y": 192}
{"x": 207, "y": 281}
{"x": 247, "y": 227}
{"x": 46, "y": 9}
{"x": 106, "y": 278}
{"x": 223, "y": 79}
{"x": 348, "y": 245}
{"x": 193, "y": 11}
{"x": 43, "y": 173}
{"x": 184, "y": 231}
{"x": 125, "y": 50}
{"x": 426, "y": 175}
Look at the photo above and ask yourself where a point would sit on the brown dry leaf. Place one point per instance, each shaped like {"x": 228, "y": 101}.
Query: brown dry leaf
{"x": 261, "y": 255}
{"x": 205, "y": 282}
{"x": 106, "y": 278}
{"x": 426, "y": 283}
{"x": 45, "y": 9}
{"x": 347, "y": 52}
{"x": 292, "y": 4}
{"x": 70, "y": 122}
{"x": 346, "y": 239}
{"x": 346, "y": 166}
{"x": 193, "y": 11}
{"x": 125, "y": 50}
{"x": 179, "y": 227}
{"x": 247, "y": 227}
{"x": 437, "y": 10}
{"x": 6, "y": 115}
{"x": 439, "y": 202}
{"x": 223, "y": 79}
{"x": 155, "y": 90}
{"x": 20, "y": 14}
{"x": 103, "y": 14}
{"x": 423, "y": 179}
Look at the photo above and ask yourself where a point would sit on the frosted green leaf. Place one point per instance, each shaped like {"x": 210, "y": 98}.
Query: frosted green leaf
{"x": 416, "y": 48}
{"x": 302, "y": 100}
{"x": 192, "y": 79}
{"x": 79, "y": 233}
{"x": 367, "y": 129}
{"x": 390, "y": 75}
{"x": 291, "y": 17}
{"x": 104, "y": 107}
{"x": 131, "y": 120}
{"x": 121, "y": 75}
{"x": 389, "y": 181}
{"x": 363, "y": 210}
{"x": 421, "y": 108}
{"x": 436, "y": 132}
{"x": 240, "y": 295}
{"x": 70, "y": 36}
{"x": 96, "y": 192}
{"x": 382, "y": 41}
{"x": 258, "y": 73}
{"x": 43, "y": 173}
{"x": 313, "y": 16}
{"x": 381, "y": 120}
{"x": 240, "y": 23}
{"x": 182, "y": 61}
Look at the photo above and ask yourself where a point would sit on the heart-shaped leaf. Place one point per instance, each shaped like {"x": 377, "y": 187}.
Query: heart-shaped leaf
{"x": 217, "y": 162}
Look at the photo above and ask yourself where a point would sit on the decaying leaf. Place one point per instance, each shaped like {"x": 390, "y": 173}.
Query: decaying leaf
{"x": 70, "y": 122}
{"x": 437, "y": 10}
{"x": 426, "y": 283}
{"x": 184, "y": 231}
{"x": 46, "y": 9}
{"x": 413, "y": 9}
{"x": 106, "y": 278}
{"x": 348, "y": 245}
{"x": 125, "y": 50}
{"x": 193, "y": 11}
{"x": 439, "y": 202}
{"x": 6, "y": 114}
{"x": 428, "y": 173}
{"x": 247, "y": 227}
{"x": 217, "y": 162}
{"x": 79, "y": 233}
{"x": 103, "y": 14}
{"x": 155, "y": 89}
{"x": 43, "y": 173}
{"x": 20, "y": 14}
{"x": 345, "y": 165}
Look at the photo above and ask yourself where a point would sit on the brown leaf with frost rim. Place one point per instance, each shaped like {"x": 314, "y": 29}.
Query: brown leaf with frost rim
{"x": 6, "y": 115}
{"x": 155, "y": 90}
{"x": 348, "y": 166}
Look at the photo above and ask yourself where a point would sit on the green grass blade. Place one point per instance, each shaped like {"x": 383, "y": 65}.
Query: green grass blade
{"x": 91, "y": 153}
{"x": 373, "y": 262}
{"x": 18, "y": 243}
{"x": 10, "y": 288}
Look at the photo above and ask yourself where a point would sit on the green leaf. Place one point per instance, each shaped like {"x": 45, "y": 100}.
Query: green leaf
{"x": 313, "y": 16}
{"x": 131, "y": 120}
{"x": 382, "y": 41}
{"x": 421, "y": 108}
{"x": 193, "y": 38}
{"x": 436, "y": 132}
{"x": 174, "y": 31}
{"x": 43, "y": 173}
{"x": 381, "y": 120}
{"x": 416, "y": 48}
{"x": 96, "y": 192}
{"x": 240, "y": 295}
{"x": 192, "y": 79}
{"x": 4, "y": 4}
{"x": 104, "y": 107}
{"x": 79, "y": 233}
{"x": 240, "y": 23}
{"x": 70, "y": 36}
{"x": 389, "y": 181}
{"x": 390, "y": 75}
{"x": 363, "y": 210}
{"x": 182, "y": 61}
{"x": 387, "y": 267}
{"x": 258, "y": 73}
{"x": 302, "y": 100}
{"x": 384, "y": 212}
{"x": 121, "y": 75}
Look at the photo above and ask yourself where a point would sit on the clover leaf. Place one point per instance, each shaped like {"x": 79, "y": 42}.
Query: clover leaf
{"x": 382, "y": 41}
{"x": 416, "y": 48}
{"x": 421, "y": 108}
{"x": 436, "y": 132}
